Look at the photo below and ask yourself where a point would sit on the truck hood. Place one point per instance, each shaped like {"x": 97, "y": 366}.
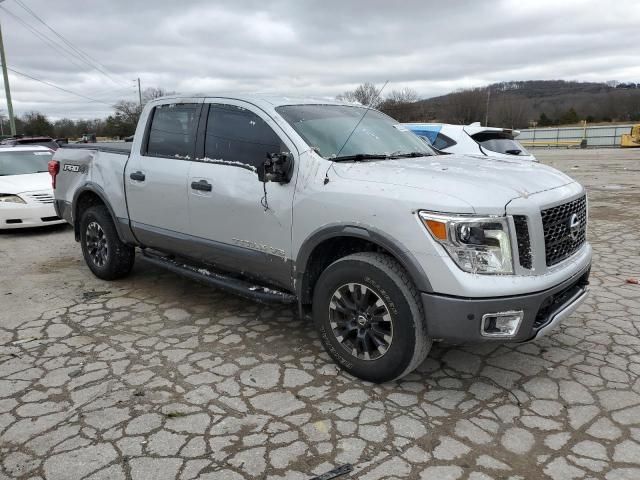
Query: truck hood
{"x": 486, "y": 184}
{"x": 30, "y": 182}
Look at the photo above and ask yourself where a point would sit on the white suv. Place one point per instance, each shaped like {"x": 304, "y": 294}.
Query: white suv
{"x": 472, "y": 139}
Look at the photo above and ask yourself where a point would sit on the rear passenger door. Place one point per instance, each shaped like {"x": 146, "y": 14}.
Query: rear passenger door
{"x": 156, "y": 175}
{"x": 245, "y": 225}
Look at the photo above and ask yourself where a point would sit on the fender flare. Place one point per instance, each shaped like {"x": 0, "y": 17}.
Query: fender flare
{"x": 123, "y": 228}
{"x": 373, "y": 235}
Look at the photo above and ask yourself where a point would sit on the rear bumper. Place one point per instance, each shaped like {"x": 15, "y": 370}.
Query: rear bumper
{"x": 458, "y": 320}
{"x": 63, "y": 210}
{"x": 28, "y": 216}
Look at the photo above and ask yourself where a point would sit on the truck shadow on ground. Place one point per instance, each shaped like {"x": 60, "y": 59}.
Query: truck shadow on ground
{"x": 35, "y": 231}
{"x": 283, "y": 331}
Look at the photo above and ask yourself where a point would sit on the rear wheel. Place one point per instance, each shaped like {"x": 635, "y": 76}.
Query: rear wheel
{"x": 106, "y": 255}
{"x": 370, "y": 317}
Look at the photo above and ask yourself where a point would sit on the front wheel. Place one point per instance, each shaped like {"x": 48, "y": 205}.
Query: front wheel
{"x": 106, "y": 255}
{"x": 370, "y": 318}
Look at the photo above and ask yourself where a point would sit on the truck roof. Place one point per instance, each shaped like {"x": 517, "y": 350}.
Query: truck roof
{"x": 259, "y": 98}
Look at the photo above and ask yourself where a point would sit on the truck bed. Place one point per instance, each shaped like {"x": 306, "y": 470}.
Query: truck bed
{"x": 93, "y": 166}
{"x": 111, "y": 147}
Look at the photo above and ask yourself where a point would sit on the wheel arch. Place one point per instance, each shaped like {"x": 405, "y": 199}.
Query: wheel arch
{"x": 331, "y": 242}
{"x": 91, "y": 194}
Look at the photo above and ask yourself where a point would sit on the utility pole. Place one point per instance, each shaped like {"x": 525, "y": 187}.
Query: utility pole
{"x": 7, "y": 90}
{"x": 139, "y": 92}
{"x": 486, "y": 117}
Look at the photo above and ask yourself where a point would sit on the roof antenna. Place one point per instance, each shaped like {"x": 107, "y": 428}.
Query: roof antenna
{"x": 373, "y": 100}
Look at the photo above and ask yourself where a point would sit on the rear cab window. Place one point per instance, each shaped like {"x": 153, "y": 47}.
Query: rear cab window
{"x": 236, "y": 135}
{"x": 172, "y": 131}
{"x": 499, "y": 142}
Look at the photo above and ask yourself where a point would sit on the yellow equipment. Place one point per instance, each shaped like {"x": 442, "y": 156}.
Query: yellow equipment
{"x": 631, "y": 139}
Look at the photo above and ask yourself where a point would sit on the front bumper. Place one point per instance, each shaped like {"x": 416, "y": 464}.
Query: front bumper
{"x": 27, "y": 216}
{"x": 458, "y": 320}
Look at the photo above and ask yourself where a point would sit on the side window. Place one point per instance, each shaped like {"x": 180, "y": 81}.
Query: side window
{"x": 442, "y": 141}
{"x": 173, "y": 130}
{"x": 235, "y": 134}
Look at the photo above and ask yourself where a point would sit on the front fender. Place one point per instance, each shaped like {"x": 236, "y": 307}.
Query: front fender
{"x": 373, "y": 235}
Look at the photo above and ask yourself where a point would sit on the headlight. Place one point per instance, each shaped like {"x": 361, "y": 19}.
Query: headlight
{"x": 8, "y": 198}
{"x": 476, "y": 244}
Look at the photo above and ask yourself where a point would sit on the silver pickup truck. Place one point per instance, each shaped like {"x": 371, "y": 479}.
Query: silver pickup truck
{"x": 384, "y": 244}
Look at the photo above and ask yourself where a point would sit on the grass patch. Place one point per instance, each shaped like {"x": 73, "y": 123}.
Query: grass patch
{"x": 175, "y": 414}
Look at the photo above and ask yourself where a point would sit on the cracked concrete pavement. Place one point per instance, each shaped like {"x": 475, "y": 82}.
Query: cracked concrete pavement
{"x": 157, "y": 377}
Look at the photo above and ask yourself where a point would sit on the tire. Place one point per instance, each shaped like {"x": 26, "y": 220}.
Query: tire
{"x": 106, "y": 255}
{"x": 354, "y": 322}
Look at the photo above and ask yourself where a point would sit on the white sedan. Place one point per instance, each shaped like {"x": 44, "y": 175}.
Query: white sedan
{"x": 26, "y": 195}
{"x": 472, "y": 139}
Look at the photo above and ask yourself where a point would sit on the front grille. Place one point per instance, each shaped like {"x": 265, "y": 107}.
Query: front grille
{"x": 524, "y": 242}
{"x": 560, "y": 242}
{"x": 41, "y": 197}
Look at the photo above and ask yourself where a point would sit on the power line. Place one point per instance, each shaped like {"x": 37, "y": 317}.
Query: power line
{"x": 95, "y": 64}
{"x": 80, "y": 54}
{"x": 73, "y": 57}
{"x": 112, "y": 91}
{"x": 59, "y": 48}
{"x": 58, "y": 87}
{"x": 44, "y": 38}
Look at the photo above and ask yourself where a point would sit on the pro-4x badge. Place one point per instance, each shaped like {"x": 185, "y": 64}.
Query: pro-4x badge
{"x": 70, "y": 167}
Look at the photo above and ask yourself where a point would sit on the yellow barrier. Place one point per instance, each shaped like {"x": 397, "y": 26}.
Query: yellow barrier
{"x": 631, "y": 139}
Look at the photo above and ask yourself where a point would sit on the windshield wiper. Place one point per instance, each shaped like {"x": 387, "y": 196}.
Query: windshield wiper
{"x": 409, "y": 154}
{"x": 360, "y": 157}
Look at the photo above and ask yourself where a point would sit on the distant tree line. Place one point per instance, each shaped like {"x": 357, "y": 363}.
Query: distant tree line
{"x": 512, "y": 104}
{"x": 120, "y": 124}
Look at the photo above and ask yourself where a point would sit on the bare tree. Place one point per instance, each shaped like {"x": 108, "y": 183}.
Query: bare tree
{"x": 366, "y": 94}
{"x": 510, "y": 111}
{"x": 404, "y": 95}
{"x": 152, "y": 93}
{"x": 401, "y": 105}
{"x": 466, "y": 106}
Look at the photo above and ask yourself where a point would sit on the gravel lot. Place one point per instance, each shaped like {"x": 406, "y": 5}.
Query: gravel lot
{"x": 157, "y": 377}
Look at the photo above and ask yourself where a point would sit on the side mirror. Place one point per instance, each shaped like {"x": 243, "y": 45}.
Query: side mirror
{"x": 278, "y": 167}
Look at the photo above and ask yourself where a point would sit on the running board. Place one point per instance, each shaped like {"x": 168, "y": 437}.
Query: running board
{"x": 243, "y": 288}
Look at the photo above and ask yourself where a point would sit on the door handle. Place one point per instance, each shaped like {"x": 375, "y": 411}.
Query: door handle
{"x": 202, "y": 185}
{"x": 138, "y": 176}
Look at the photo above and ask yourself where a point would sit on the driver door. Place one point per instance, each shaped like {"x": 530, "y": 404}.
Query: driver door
{"x": 242, "y": 224}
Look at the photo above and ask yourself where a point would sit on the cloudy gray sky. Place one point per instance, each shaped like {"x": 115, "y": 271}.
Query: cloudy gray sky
{"x": 307, "y": 47}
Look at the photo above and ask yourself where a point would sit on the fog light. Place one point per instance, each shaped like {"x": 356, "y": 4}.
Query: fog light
{"x": 501, "y": 324}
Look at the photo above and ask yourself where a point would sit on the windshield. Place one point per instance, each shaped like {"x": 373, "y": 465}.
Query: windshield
{"x": 326, "y": 128}
{"x": 500, "y": 142}
{"x": 21, "y": 163}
